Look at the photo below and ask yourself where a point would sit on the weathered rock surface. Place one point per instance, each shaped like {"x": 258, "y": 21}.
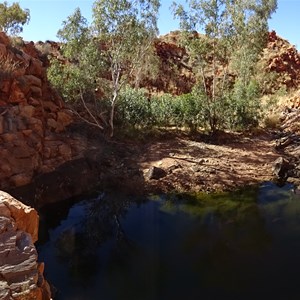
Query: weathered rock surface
{"x": 281, "y": 168}
{"x": 155, "y": 173}
{"x": 283, "y": 59}
{"x": 21, "y": 276}
{"x": 33, "y": 117}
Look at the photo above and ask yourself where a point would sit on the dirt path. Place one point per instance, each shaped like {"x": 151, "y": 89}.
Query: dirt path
{"x": 194, "y": 165}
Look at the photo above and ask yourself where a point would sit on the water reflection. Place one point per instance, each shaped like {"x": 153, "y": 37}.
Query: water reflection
{"x": 194, "y": 246}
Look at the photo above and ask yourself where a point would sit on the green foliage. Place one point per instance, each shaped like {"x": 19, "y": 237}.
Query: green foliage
{"x": 13, "y": 18}
{"x": 239, "y": 110}
{"x": 74, "y": 35}
{"x": 244, "y": 105}
{"x": 104, "y": 56}
{"x": 69, "y": 80}
{"x": 133, "y": 109}
{"x": 79, "y": 75}
{"x": 118, "y": 48}
{"x": 126, "y": 29}
{"x": 235, "y": 34}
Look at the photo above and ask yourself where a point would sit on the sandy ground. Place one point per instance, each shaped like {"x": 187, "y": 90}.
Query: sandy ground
{"x": 193, "y": 164}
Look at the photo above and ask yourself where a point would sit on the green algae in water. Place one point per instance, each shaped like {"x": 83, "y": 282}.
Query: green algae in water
{"x": 226, "y": 205}
{"x": 241, "y": 245}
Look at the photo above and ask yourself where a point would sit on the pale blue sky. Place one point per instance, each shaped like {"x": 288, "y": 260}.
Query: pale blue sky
{"x": 48, "y": 15}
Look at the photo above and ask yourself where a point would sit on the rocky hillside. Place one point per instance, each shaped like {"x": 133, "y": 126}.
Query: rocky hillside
{"x": 282, "y": 60}
{"x": 174, "y": 75}
{"x": 280, "y": 66}
{"x": 32, "y": 117}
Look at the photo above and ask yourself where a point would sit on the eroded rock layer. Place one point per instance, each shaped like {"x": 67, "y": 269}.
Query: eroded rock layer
{"x": 21, "y": 276}
{"x": 32, "y": 117}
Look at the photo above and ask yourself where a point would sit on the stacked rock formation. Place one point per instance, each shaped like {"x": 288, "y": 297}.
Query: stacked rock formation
{"x": 283, "y": 59}
{"x": 21, "y": 276}
{"x": 32, "y": 117}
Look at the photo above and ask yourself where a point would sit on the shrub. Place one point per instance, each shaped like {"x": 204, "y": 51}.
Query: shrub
{"x": 133, "y": 108}
{"x": 244, "y": 109}
{"x": 7, "y": 67}
{"x": 272, "y": 121}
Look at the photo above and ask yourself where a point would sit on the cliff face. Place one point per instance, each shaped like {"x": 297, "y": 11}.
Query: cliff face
{"x": 280, "y": 61}
{"x": 174, "y": 75}
{"x": 283, "y": 60}
{"x": 32, "y": 117}
{"x": 21, "y": 276}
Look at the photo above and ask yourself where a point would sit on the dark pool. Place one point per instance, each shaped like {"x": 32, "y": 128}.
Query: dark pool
{"x": 244, "y": 245}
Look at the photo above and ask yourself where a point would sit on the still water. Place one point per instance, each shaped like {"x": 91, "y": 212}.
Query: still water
{"x": 244, "y": 245}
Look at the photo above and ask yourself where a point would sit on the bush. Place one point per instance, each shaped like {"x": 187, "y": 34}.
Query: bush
{"x": 133, "y": 108}
{"x": 163, "y": 110}
{"x": 244, "y": 105}
{"x": 17, "y": 42}
{"x": 272, "y": 121}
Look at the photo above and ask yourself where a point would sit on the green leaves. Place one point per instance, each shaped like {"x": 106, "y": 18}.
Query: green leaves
{"x": 106, "y": 55}
{"x": 79, "y": 74}
{"x": 135, "y": 110}
{"x": 234, "y": 35}
{"x": 74, "y": 35}
{"x": 13, "y": 18}
{"x": 125, "y": 27}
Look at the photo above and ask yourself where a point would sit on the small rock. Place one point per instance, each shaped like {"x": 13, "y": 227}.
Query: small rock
{"x": 196, "y": 168}
{"x": 155, "y": 173}
{"x": 281, "y": 167}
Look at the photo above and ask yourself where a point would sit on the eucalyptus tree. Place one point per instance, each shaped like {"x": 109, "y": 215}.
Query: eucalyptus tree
{"x": 104, "y": 56}
{"x": 75, "y": 74}
{"x": 125, "y": 29}
{"x": 13, "y": 18}
{"x": 250, "y": 24}
{"x": 234, "y": 35}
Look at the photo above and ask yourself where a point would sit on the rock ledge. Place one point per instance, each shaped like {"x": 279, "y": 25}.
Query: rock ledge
{"x": 21, "y": 276}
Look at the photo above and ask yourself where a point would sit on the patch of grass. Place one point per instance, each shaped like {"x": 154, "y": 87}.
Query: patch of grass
{"x": 7, "y": 67}
{"x": 272, "y": 121}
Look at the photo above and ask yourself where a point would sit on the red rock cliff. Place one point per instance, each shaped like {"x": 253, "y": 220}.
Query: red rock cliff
{"x": 32, "y": 117}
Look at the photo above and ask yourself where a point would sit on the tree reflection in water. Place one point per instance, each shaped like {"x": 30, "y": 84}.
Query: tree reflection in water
{"x": 79, "y": 243}
{"x": 171, "y": 246}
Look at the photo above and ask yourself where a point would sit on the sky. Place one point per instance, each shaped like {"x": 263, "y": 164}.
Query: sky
{"x": 47, "y": 17}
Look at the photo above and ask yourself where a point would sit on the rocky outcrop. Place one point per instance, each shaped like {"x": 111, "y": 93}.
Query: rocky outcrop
{"x": 280, "y": 66}
{"x": 21, "y": 276}
{"x": 281, "y": 168}
{"x": 282, "y": 59}
{"x": 288, "y": 140}
{"x": 174, "y": 75}
{"x": 32, "y": 117}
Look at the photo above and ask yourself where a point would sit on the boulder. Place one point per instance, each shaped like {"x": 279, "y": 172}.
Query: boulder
{"x": 64, "y": 119}
{"x": 27, "y": 111}
{"x": 155, "y": 173}
{"x": 21, "y": 276}
{"x": 281, "y": 168}
{"x": 3, "y": 50}
{"x": 4, "y": 39}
